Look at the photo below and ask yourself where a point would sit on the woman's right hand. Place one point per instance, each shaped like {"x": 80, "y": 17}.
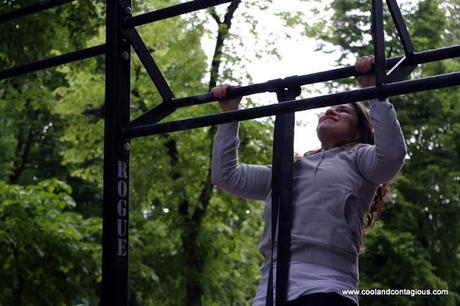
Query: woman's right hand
{"x": 219, "y": 92}
{"x": 364, "y": 65}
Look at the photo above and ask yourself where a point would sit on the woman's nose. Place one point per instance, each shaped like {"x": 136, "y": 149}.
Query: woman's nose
{"x": 330, "y": 111}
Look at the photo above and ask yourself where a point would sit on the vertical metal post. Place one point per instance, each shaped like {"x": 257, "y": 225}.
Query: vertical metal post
{"x": 283, "y": 154}
{"x": 379, "y": 44}
{"x": 116, "y": 159}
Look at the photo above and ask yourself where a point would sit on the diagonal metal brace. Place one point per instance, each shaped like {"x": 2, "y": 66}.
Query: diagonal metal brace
{"x": 152, "y": 116}
{"x": 405, "y": 65}
{"x": 401, "y": 27}
{"x": 149, "y": 64}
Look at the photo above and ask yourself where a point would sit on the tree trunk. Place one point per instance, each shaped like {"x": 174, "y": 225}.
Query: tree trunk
{"x": 192, "y": 223}
{"x": 23, "y": 147}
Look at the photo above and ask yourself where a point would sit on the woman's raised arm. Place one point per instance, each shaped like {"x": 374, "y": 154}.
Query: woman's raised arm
{"x": 246, "y": 181}
{"x": 380, "y": 162}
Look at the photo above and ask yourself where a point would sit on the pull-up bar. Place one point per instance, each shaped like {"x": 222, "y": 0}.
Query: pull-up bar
{"x": 393, "y": 89}
{"x": 163, "y": 109}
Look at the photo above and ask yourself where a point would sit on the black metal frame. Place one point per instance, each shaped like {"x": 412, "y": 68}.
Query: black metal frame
{"x": 116, "y": 159}
{"x": 121, "y": 35}
{"x": 53, "y": 61}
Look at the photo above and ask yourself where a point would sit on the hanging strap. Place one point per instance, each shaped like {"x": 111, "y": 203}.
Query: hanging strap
{"x": 283, "y": 154}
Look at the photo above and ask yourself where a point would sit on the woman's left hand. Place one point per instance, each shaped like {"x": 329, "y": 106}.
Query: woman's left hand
{"x": 364, "y": 65}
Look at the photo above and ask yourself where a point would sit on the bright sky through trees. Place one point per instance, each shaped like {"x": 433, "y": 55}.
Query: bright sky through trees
{"x": 297, "y": 57}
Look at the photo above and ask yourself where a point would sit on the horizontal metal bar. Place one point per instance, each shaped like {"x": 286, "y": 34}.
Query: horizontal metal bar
{"x": 435, "y": 55}
{"x": 393, "y": 89}
{"x": 162, "y": 110}
{"x": 171, "y": 11}
{"x": 30, "y": 9}
{"x": 151, "y": 116}
{"x": 53, "y": 61}
{"x": 274, "y": 85}
{"x": 422, "y": 57}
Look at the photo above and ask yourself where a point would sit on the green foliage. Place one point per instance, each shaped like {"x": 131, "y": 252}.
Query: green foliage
{"x": 32, "y": 129}
{"x": 48, "y": 252}
{"x": 388, "y": 251}
{"x": 58, "y": 30}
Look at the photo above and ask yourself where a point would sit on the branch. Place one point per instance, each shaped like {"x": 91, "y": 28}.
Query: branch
{"x": 230, "y": 11}
{"x": 221, "y": 36}
{"x": 213, "y": 13}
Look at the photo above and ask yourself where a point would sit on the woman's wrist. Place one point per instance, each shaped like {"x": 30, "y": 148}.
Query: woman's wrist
{"x": 230, "y": 108}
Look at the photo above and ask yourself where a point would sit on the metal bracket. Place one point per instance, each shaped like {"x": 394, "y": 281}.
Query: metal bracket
{"x": 400, "y": 71}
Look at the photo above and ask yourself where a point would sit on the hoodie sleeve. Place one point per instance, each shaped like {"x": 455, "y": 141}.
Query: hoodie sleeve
{"x": 245, "y": 181}
{"x": 380, "y": 162}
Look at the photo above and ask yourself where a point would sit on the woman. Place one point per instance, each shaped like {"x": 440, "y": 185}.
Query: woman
{"x": 335, "y": 191}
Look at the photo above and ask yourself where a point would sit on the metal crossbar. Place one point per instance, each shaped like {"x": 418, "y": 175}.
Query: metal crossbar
{"x": 172, "y": 11}
{"x": 31, "y": 9}
{"x": 53, "y": 61}
{"x": 121, "y": 35}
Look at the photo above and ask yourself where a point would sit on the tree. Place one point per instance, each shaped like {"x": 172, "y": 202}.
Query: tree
{"x": 27, "y": 101}
{"x": 50, "y": 253}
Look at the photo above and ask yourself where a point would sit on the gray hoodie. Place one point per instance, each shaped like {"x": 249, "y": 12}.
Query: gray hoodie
{"x": 332, "y": 189}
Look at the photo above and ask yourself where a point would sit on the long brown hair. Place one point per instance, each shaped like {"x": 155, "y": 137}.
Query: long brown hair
{"x": 365, "y": 134}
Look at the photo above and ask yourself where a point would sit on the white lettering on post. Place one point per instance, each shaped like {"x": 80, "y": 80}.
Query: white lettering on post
{"x": 122, "y": 208}
{"x": 122, "y": 226}
{"x": 121, "y": 247}
{"x": 122, "y": 170}
{"x": 122, "y": 188}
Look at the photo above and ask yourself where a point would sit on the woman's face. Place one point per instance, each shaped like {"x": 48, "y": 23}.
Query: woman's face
{"x": 337, "y": 126}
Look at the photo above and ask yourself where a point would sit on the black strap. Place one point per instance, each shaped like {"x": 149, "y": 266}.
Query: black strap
{"x": 283, "y": 154}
